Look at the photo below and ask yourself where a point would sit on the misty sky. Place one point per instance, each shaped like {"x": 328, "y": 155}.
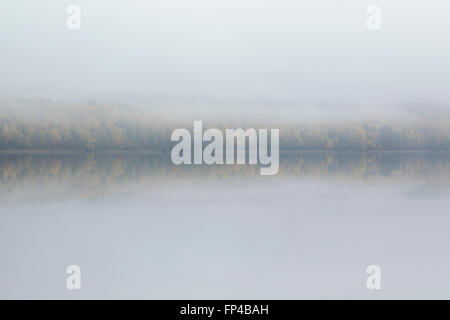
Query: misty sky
{"x": 306, "y": 51}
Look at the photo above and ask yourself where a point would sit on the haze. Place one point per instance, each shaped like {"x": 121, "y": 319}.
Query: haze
{"x": 289, "y": 54}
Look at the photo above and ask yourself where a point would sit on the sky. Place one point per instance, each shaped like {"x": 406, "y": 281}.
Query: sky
{"x": 288, "y": 53}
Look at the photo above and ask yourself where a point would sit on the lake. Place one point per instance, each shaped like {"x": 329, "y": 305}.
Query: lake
{"x": 140, "y": 227}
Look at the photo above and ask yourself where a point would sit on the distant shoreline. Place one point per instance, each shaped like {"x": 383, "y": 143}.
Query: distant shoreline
{"x": 32, "y": 126}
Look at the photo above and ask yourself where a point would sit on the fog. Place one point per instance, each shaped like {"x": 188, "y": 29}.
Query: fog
{"x": 294, "y": 55}
{"x": 187, "y": 233}
{"x": 87, "y": 177}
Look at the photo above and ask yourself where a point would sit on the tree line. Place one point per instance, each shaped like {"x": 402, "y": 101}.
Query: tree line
{"x": 27, "y": 124}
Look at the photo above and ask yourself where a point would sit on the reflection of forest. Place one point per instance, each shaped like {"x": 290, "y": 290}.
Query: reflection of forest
{"x": 53, "y": 176}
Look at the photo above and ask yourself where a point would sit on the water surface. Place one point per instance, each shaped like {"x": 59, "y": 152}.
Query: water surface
{"x": 140, "y": 227}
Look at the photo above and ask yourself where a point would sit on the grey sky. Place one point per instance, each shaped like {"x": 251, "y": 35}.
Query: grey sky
{"x": 301, "y": 51}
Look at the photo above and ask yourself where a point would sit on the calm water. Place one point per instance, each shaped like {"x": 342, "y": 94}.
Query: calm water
{"x": 140, "y": 227}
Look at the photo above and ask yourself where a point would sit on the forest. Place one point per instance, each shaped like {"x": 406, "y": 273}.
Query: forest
{"x": 43, "y": 124}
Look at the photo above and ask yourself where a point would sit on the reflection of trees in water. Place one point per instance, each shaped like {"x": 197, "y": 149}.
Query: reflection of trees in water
{"x": 26, "y": 177}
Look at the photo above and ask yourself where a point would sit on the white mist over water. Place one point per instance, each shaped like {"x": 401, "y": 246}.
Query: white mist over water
{"x": 310, "y": 232}
{"x": 250, "y": 240}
